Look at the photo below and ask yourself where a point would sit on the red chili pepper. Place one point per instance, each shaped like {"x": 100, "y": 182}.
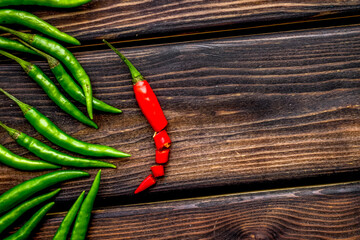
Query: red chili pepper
{"x": 158, "y": 170}
{"x": 162, "y": 156}
{"x": 144, "y": 95}
{"x": 162, "y": 140}
{"x": 146, "y": 183}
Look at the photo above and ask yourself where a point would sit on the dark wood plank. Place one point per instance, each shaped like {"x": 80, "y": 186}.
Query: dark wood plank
{"x": 241, "y": 111}
{"x": 327, "y": 212}
{"x": 113, "y": 19}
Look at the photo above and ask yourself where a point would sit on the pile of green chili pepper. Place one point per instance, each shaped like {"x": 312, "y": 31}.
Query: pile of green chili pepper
{"x": 30, "y": 43}
{"x": 14, "y": 203}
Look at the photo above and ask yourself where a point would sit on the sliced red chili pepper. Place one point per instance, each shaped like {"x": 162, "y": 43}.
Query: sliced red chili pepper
{"x": 158, "y": 170}
{"x": 146, "y": 183}
{"x": 162, "y": 140}
{"x": 162, "y": 156}
{"x": 144, "y": 95}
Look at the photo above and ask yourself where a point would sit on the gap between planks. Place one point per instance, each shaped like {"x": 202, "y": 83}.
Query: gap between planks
{"x": 233, "y": 194}
{"x": 257, "y": 30}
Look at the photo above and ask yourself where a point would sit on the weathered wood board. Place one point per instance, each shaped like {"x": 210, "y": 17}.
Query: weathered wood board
{"x": 113, "y": 19}
{"x": 324, "y": 212}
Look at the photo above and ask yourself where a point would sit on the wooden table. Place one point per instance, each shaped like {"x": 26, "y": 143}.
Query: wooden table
{"x": 262, "y": 99}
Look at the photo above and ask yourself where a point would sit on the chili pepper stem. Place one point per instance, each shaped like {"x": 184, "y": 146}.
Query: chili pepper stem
{"x": 136, "y": 75}
{"x": 27, "y": 66}
{"x": 23, "y": 36}
{"x": 53, "y": 62}
{"x": 23, "y": 106}
{"x": 12, "y": 132}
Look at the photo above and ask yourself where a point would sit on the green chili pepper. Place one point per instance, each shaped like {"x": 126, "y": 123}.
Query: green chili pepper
{"x": 49, "y": 154}
{"x": 24, "y": 190}
{"x": 65, "y": 56}
{"x": 69, "y": 85}
{"x": 12, "y": 160}
{"x": 51, "y": 90}
{"x": 12, "y": 16}
{"x": 52, "y": 132}
{"x": 46, "y": 3}
{"x": 11, "y": 216}
{"x": 9, "y": 44}
{"x": 24, "y": 232}
{"x": 65, "y": 225}
{"x": 83, "y": 217}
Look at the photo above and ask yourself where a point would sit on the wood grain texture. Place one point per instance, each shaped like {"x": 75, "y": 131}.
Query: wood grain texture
{"x": 330, "y": 212}
{"x": 113, "y": 19}
{"x": 244, "y": 110}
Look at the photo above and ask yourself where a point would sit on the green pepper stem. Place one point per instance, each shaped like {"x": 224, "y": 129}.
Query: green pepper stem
{"x": 27, "y": 66}
{"x": 24, "y": 36}
{"x": 12, "y": 132}
{"x": 23, "y": 106}
{"x": 53, "y": 62}
{"x": 136, "y": 75}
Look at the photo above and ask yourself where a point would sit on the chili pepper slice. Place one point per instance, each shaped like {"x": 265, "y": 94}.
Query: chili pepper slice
{"x": 158, "y": 170}
{"x": 64, "y": 228}
{"x": 10, "y": 217}
{"x": 146, "y": 183}
{"x": 83, "y": 218}
{"x": 144, "y": 95}
{"x": 24, "y": 232}
{"x": 162, "y": 140}
{"x": 162, "y": 156}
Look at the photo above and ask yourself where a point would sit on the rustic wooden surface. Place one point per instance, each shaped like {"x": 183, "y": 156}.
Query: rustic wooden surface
{"x": 257, "y": 112}
{"x": 331, "y": 212}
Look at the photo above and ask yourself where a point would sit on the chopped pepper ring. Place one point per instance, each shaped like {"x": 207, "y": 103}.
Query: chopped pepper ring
{"x": 162, "y": 140}
{"x": 162, "y": 156}
{"x": 158, "y": 170}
